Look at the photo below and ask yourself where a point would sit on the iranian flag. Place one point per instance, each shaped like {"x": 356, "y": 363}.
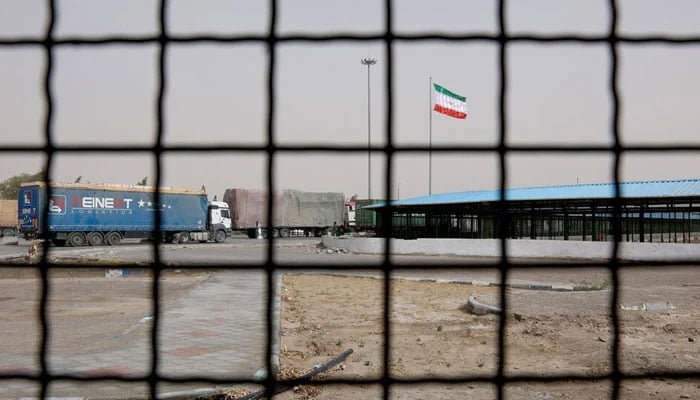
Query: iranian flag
{"x": 449, "y": 103}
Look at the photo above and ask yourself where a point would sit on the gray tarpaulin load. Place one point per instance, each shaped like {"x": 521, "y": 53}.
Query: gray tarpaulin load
{"x": 293, "y": 208}
{"x": 8, "y": 214}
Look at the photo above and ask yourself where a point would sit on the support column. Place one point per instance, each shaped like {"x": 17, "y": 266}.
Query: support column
{"x": 594, "y": 227}
{"x": 566, "y": 224}
{"x": 641, "y": 223}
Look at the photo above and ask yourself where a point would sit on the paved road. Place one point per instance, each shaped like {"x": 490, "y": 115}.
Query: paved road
{"x": 216, "y": 330}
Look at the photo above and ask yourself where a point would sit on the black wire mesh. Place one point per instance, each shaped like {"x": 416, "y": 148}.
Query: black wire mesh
{"x": 388, "y": 37}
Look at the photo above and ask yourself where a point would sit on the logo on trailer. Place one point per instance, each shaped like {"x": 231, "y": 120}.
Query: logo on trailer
{"x": 27, "y": 198}
{"x": 101, "y": 205}
{"x": 57, "y": 204}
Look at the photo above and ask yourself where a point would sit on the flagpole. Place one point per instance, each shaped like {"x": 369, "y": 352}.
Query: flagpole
{"x": 430, "y": 142}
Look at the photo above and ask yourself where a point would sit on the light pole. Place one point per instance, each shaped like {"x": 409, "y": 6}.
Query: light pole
{"x": 369, "y": 62}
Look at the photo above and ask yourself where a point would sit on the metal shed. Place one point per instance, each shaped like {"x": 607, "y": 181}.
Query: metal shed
{"x": 648, "y": 211}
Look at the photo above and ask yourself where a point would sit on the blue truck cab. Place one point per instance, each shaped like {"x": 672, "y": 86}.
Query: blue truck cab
{"x": 96, "y": 214}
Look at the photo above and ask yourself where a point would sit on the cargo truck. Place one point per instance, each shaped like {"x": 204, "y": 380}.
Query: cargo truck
{"x": 366, "y": 218}
{"x": 349, "y": 217}
{"x": 358, "y": 218}
{"x": 96, "y": 214}
{"x": 8, "y": 217}
{"x": 296, "y": 213}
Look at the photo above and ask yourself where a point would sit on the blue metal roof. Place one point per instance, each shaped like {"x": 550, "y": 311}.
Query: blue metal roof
{"x": 630, "y": 190}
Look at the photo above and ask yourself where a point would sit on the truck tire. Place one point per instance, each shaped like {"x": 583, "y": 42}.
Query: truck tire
{"x": 275, "y": 233}
{"x": 95, "y": 239}
{"x": 183, "y": 237}
{"x": 284, "y": 232}
{"x": 8, "y": 232}
{"x": 220, "y": 236}
{"x": 113, "y": 238}
{"x": 76, "y": 239}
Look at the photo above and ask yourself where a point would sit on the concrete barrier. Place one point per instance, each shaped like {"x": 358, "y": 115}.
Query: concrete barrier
{"x": 555, "y": 249}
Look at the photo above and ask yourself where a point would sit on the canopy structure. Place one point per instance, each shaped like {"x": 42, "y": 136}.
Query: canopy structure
{"x": 663, "y": 211}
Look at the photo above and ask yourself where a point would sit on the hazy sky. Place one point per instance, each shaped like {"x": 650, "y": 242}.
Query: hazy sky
{"x": 558, "y": 94}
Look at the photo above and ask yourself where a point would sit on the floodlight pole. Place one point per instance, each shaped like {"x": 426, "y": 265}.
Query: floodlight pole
{"x": 369, "y": 62}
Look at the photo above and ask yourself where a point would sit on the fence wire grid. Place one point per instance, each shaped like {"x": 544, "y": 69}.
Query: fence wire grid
{"x": 272, "y": 40}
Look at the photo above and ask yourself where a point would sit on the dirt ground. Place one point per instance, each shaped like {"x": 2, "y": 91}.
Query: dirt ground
{"x": 547, "y": 333}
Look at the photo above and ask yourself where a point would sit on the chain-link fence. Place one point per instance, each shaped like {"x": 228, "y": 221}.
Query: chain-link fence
{"x": 389, "y": 38}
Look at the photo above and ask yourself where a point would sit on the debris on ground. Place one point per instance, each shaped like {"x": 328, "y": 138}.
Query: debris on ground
{"x": 649, "y": 307}
{"x": 289, "y": 379}
{"x": 331, "y": 250}
{"x": 36, "y": 251}
{"x": 475, "y": 307}
{"x": 236, "y": 393}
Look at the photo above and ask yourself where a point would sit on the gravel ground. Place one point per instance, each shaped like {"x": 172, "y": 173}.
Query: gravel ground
{"x": 547, "y": 334}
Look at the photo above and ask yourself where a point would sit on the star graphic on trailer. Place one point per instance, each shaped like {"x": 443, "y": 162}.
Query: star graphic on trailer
{"x": 150, "y": 204}
{"x": 141, "y": 203}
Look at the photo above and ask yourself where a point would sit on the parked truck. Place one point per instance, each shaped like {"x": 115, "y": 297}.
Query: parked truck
{"x": 8, "y": 218}
{"x": 95, "y": 214}
{"x": 296, "y": 213}
{"x": 349, "y": 215}
{"x": 361, "y": 219}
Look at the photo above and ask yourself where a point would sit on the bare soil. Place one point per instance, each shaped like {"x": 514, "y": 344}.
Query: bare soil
{"x": 547, "y": 334}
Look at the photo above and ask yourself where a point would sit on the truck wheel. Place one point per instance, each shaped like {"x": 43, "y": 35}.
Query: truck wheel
{"x": 113, "y": 239}
{"x": 275, "y": 233}
{"x": 8, "y": 232}
{"x": 95, "y": 239}
{"x": 76, "y": 239}
{"x": 220, "y": 236}
{"x": 183, "y": 237}
{"x": 284, "y": 232}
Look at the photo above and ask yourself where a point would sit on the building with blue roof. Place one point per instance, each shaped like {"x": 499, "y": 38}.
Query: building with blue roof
{"x": 665, "y": 211}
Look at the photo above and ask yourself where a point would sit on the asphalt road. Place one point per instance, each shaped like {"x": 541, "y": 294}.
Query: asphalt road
{"x": 301, "y": 254}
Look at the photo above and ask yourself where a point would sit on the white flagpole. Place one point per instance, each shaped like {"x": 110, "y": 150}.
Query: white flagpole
{"x": 430, "y": 142}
